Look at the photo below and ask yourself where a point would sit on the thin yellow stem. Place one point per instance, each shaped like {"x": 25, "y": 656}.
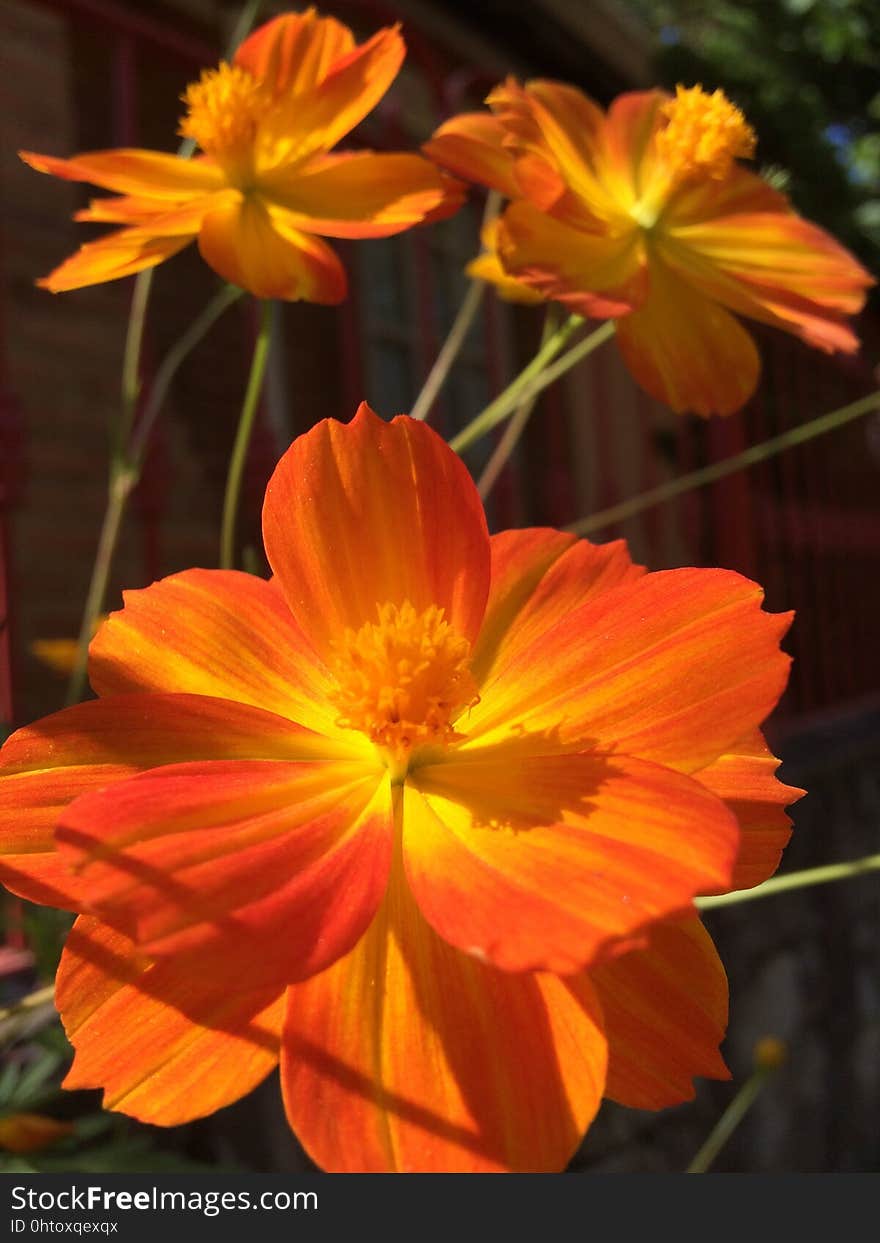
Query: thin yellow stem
{"x": 246, "y": 422}
{"x": 794, "y": 880}
{"x": 710, "y": 474}
{"x": 518, "y": 390}
{"x": 421, "y": 407}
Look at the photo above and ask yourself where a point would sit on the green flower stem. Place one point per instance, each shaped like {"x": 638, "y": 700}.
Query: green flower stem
{"x": 793, "y": 880}
{"x": 243, "y": 436}
{"x": 710, "y": 474}
{"x": 518, "y": 390}
{"x": 245, "y": 22}
{"x": 461, "y": 326}
{"x": 198, "y": 329}
{"x": 730, "y": 1120}
{"x": 572, "y": 357}
{"x": 125, "y": 471}
{"x": 517, "y": 424}
{"x": 473, "y": 299}
{"x": 131, "y": 363}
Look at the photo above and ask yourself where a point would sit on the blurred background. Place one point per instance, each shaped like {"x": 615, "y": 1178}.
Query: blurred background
{"x": 84, "y": 74}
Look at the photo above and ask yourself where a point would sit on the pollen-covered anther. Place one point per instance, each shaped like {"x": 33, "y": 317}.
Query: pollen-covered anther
{"x": 403, "y": 679}
{"x": 704, "y": 135}
{"x": 223, "y": 110}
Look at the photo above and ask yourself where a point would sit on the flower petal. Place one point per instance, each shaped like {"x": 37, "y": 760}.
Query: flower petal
{"x": 294, "y": 52}
{"x": 553, "y": 863}
{"x": 409, "y": 1056}
{"x": 471, "y": 147}
{"x": 774, "y": 267}
{"x": 253, "y": 245}
{"x": 119, "y": 254}
{"x": 166, "y": 1045}
{"x": 361, "y": 194}
{"x": 697, "y": 200}
{"x": 368, "y": 512}
{"x": 268, "y": 870}
{"x": 686, "y": 350}
{"x": 487, "y": 267}
{"x": 129, "y": 170}
{"x": 315, "y": 120}
{"x": 539, "y": 576}
{"x": 157, "y": 217}
{"x": 629, "y": 165}
{"x": 744, "y": 778}
{"x": 665, "y": 1009}
{"x": 600, "y": 274}
{"x": 675, "y": 667}
{"x": 44, "y": 766}
{"x": 214, "y": 632}
{"x": 571, "y": 126}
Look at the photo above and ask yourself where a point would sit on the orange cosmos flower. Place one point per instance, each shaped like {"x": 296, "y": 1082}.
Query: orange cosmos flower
{"x": 643, "y": 214}
{"x": 423, "y": 816}
{"x": 265, "y": 189}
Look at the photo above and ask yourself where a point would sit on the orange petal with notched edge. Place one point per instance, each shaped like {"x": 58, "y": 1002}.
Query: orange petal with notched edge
{"x": 294, "y": 52}
{"x": 686, "y": 350}
{"x": 166, "y": 1045}
{"x": 129, "y": 170}
{"x": 551, "y": 863}
{"x": 44, "y": 766}
{"x": 267, "y": 870}
{"x": 539, "y": 576}
{"x": 675, "y": 667}
{"x": 595, "y": 274}
{"x": 315, "y": 120}
{"x": 665, "y": 1009}
{"x": 368, "y": 512}
{"x": 253, "y": 245}
{"x": 471, "y": 147}
{"x": 120, "y": 254}
{"x": 745, "y": 779}
{"x": 409, "y": 1056}
{"x": 361, "y": 194}
{"x": 214, "y": 632}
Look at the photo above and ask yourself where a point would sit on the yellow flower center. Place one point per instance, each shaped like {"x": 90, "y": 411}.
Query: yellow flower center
{"x": 402, "y": 681}
{"x": 223, "y": 110}
{"x": 705, "y": 134}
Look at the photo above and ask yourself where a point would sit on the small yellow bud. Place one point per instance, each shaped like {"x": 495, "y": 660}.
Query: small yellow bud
{"x": 770, "y": 1053}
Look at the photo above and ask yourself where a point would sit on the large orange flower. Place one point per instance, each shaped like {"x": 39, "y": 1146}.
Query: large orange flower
{"x": 265, "y": 189}
{"x": 643, "y": 214}
{"x": 423, "y": 816}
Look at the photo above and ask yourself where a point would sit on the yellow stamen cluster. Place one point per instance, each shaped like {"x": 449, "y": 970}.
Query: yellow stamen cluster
{"x": 704, "y": 135}
{"x": 403, "y": 680}
{"x": 223, "y": 110}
